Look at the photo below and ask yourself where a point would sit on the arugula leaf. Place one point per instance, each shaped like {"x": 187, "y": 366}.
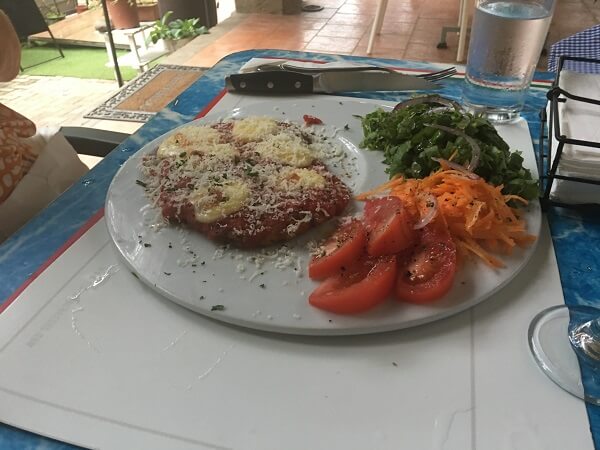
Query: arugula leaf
{"x": 409, "y": 145}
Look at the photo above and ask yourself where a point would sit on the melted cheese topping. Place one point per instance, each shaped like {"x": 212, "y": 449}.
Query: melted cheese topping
{"x": 286, "y": 148}
{"x": 189, "y": 139}
{"x": 218, "y": 203}
{"x": 254, "y": 128}
{"x": 298, "y": 179}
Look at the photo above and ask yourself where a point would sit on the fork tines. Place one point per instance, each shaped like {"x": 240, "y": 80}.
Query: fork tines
{"x": 440, "y": 75}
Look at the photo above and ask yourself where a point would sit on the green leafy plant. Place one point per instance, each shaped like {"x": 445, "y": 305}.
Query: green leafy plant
{"x": 175, "y": 29}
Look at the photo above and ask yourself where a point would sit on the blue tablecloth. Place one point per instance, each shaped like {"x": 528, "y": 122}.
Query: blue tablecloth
{"x": 576, "y": 238}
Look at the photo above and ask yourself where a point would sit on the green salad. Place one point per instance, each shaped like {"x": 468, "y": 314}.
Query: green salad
{"x": 413, "y": 137}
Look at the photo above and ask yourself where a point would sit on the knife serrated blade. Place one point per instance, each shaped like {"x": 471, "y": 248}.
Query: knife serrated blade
{"x": 289, "y": 82}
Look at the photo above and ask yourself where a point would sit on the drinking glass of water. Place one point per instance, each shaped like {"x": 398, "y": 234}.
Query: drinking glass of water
{"x": 507, "y": 37}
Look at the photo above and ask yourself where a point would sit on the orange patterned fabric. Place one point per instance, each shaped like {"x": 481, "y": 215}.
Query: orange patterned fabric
{"x": 16, "y": 156}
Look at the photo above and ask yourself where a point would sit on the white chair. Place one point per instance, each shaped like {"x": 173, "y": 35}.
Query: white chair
{"x": 140, "y": 53}
{"x": 465, "y": 7}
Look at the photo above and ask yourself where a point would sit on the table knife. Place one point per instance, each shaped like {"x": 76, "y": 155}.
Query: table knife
{"x": 290, "y": 82}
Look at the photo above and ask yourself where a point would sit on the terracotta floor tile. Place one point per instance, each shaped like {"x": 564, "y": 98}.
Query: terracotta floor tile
{"x": 241, "y": 34}
{"x": 235, "y": 44}
{"x": 428, "y": 31}
{"x": 282, "y": 43}
{"x": 351, "y": 19}
{"x": 400, "y": 16}
{"x": 426, "y": 52}
{"x": 408, "y": 7}
{"x": 338, "y": 30}
{"x": 332, "y": 44}
{"x": 325, "y": 13}
{"x": 385, "y": 41}
{"x": 311, "y": 24}
{"x": 269, "y": 18}
{"x": 580, "y": 20}
{"x": 258, "y": 26}
{"x": 292, "y": 32}
{"x": 404, "y": 28}
{"x": 360, "y": 8}
{"x": 329, "y": 3}
{"x": 570, "y": 8}
{"x": 205, "y": 58}
{"x": 362, "y": 2}
{"x": 449, "y": 14}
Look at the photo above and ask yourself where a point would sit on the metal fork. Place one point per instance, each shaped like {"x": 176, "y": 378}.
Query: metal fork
{"x": 434, "y": 76}
{"x": 440, "y": 75}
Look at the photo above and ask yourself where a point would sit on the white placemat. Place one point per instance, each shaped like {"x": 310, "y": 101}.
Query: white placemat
{"x": 91, "y": 356}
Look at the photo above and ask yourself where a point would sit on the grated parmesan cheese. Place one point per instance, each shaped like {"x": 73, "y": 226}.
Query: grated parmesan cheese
{"x": 286, "y": 148}
{"x": 254, "y": 128}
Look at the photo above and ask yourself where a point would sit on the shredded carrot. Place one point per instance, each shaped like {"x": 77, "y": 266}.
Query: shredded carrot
{"x": 476, "y": 213}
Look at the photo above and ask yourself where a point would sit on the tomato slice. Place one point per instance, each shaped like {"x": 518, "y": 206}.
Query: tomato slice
{"x": 359, "y": 288}
{"x": 343, "y": 248}
{"x": 427, "y": 272}
{"x": 311, "y": 120}
{"x": 390, "y": 226}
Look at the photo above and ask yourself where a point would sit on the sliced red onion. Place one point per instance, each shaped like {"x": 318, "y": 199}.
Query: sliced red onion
{"x": 432, "y": 209}
{"x": 429, "y": 99}
{"x": 476, "y": 150}
{"x": 458, "y": 167}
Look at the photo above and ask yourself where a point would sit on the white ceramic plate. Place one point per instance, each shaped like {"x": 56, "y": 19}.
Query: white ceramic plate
{"x": 199, "y": 274}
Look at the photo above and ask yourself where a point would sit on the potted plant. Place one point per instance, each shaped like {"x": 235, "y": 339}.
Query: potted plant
{"x": 123, "y": 14}
{"x": 148, "y": 10}
{"x": 175, "y": 33}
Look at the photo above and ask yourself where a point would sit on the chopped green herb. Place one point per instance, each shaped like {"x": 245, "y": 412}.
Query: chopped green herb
{"x": 202, "y": 297}
{"x": 147, "y": 245}
{"x": 141, "y": 183}
{"x": 409, "y": 146}
{"x": 217, "y": 308}
{"x": 167, "y": 273}
{"x": 262, "y": 285}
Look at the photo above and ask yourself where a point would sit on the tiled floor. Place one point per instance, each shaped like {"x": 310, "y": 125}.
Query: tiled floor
{"x": 411, "y": 29}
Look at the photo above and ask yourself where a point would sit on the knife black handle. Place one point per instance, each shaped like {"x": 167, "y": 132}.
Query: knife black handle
{"x": 274, "y": 81}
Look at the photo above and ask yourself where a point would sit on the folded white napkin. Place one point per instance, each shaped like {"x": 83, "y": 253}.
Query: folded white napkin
{"x": 579, "y": 121}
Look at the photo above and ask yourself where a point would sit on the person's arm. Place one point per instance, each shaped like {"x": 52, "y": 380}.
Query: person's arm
{"x": 10, "y": 49}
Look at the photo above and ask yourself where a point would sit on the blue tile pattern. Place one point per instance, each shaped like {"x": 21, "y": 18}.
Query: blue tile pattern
{"x": 576, "y": 238}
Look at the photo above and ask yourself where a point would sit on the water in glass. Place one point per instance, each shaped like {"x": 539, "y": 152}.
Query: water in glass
{"x": 507, "y": 38}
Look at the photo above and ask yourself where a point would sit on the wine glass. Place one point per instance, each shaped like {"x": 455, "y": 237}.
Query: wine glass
{"x": 563, "y": 339}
